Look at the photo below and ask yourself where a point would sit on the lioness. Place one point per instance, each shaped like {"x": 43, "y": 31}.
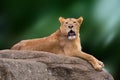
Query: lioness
{"x": 64, "y": 41}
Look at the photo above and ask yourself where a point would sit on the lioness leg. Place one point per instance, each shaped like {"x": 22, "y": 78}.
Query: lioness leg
{"x": 98, "y": 65}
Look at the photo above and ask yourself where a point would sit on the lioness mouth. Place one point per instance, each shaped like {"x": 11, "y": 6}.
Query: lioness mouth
{"x": 71, "y": 35}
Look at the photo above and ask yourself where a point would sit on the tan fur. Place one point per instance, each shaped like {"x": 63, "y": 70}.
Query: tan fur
{"x": 59, "y": 43}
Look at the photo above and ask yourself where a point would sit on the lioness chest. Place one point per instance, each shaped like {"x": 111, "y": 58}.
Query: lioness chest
{"x": 59, "y": 46}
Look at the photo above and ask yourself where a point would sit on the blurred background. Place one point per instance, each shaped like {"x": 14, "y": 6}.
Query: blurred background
{"x": 100, "y": 31}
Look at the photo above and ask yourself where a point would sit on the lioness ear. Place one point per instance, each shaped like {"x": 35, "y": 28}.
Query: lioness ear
{"x": 80, "y": 20}
{"x": 61, "y": 19}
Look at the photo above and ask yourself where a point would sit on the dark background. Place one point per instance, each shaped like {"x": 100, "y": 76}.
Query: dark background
{"x": 100, "y": 31}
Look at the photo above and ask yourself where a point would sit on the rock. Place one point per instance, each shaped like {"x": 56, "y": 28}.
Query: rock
{"x": 36, "y": 65}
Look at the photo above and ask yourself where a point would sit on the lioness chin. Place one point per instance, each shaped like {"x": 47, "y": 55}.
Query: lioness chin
{"x": 64, "y": 41}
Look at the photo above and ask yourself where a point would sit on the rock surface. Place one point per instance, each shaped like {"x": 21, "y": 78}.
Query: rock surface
{"x": 35, "y": 65}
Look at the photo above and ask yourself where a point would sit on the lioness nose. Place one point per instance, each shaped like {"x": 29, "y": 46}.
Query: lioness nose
{"x": 71, "y": 26}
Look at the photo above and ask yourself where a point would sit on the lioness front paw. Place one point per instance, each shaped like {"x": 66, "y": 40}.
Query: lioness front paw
{"x": 99, "y": 65}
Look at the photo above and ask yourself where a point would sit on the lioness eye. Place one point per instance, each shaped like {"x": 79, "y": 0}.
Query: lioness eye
{"x": 74, "y": 22}
{"x": 66, "y": 22}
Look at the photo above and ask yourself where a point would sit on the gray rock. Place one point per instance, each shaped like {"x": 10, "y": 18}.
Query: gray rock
{"x": 35, "y": 65}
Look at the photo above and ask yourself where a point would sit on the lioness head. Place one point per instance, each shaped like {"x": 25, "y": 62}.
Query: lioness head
{"x": 70, "y": 27}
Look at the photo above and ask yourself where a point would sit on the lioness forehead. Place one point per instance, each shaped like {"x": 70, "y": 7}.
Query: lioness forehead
{"x": 71, "y": 19}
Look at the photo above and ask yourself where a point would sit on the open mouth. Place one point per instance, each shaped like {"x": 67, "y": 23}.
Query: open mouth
{"x": 71, "y": 34}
